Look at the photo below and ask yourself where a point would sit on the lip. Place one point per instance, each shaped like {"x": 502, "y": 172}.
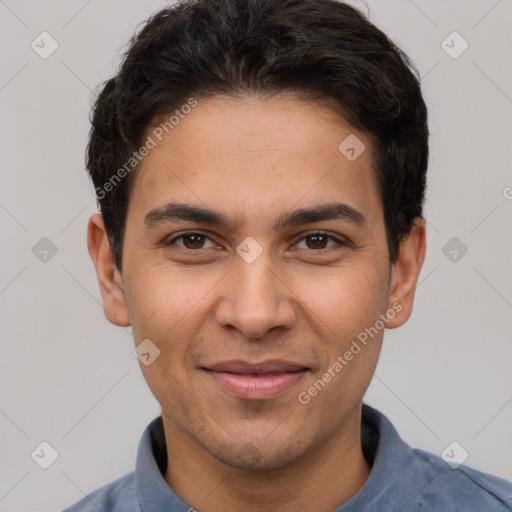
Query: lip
{"x": 256, "y": 381}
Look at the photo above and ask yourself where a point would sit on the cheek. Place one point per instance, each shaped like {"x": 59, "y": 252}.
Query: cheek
{"x": 172, "y": 309}
{"x": 166, "y": 316}
{"x": 346, "y": 306}
{"x": 166, "y": 303}
{"x": 344, "y": 301}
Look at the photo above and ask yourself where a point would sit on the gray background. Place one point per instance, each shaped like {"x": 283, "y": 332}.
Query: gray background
{"x": 68, "y": 377}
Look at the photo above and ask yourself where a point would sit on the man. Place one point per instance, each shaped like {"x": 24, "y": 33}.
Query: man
{"x": 260, "y": 168}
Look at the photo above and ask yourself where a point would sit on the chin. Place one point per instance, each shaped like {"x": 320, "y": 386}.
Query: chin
{"x": 258, "y": 456}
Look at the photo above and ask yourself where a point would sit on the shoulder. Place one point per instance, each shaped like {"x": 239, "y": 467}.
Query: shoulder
{"x": 459, "y": 488}
{"x": 118, "y": 496}
{"x": 418, "y": 480}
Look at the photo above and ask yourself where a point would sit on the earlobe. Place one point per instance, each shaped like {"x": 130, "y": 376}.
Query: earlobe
{"x": 109, "y": 278}
{"x": 405, "y": 273}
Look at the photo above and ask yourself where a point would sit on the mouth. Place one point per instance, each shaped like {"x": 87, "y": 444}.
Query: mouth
{"x": 260, "y": 381}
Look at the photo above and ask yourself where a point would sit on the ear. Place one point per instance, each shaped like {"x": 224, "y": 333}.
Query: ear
{"x": 405, "y": 273}
{"x": 109, "y": 278}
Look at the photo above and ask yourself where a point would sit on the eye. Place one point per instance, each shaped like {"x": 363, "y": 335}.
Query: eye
{"x": 191, "y": 241}
{"x": 318, "y": 241}
{"x": 194, "y": 241}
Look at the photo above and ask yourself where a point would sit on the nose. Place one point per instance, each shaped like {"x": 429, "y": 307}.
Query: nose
{"x": 255, "y": 298}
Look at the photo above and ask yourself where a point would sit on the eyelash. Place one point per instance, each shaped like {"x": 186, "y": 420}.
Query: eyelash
{"x": 189, "y": 233}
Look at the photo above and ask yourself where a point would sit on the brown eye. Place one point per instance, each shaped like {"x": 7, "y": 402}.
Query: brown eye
{"x": 319, "y": 241}
{"x": 191, "y": 241}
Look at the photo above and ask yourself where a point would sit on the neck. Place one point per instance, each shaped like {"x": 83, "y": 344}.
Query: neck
{"x": 320, "y": 481}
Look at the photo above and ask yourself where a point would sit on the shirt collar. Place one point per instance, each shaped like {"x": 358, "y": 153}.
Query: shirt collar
{"x": 393, "y": 464}
{"x": 153, "y": 492}
{"x": 383, "y": 448}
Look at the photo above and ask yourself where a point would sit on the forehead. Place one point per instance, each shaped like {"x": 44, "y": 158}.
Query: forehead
{"x": 251, "y": 155}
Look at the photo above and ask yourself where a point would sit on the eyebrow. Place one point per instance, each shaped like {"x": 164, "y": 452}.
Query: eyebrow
{"x": 329, "y": 211}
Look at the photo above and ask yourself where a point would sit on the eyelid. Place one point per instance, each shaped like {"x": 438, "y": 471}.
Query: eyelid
{"x": 339, "y": 240}
{"x": 187, "y": 233}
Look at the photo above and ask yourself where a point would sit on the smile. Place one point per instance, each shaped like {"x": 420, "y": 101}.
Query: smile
{"x": 256, "y": 381}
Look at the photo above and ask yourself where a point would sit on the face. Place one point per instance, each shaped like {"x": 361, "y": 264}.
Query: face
{"x": 250, "y": 305}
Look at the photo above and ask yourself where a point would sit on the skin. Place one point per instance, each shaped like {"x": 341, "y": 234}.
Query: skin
{"x": 252, "y": 159}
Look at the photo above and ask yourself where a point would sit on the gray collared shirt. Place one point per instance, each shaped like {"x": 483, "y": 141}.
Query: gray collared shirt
{"x": 402, "y": 479}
